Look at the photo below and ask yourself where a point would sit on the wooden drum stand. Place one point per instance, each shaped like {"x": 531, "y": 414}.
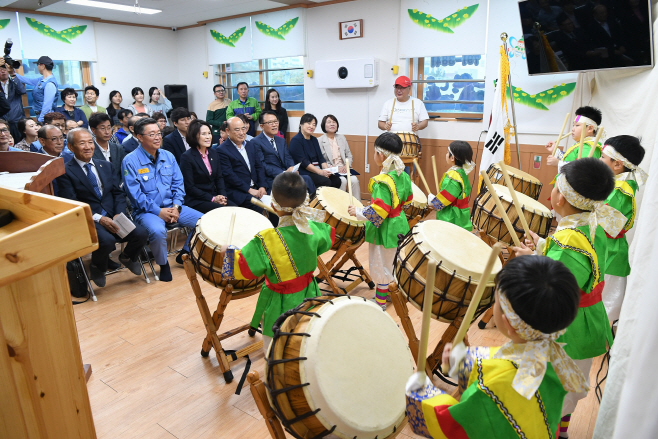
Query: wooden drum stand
{"x": 331, "y": 269}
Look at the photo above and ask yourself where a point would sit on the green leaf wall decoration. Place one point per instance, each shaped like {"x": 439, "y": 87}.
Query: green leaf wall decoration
{"x": 543, "y": 99}
{"x": 280, "y": 32}
{"x": 4, "y": 23}
{"x": 231, "y": 39}
{"x": 446, "y": 24}
{"x": 63, "y": 36}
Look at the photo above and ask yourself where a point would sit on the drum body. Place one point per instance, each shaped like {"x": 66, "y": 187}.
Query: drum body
{"x": 522, "y": 181}
{"x": 418, "y": 206}
{"x": 335, "y": 203}
{"x": 410, "y": 144}
{"x": 211, "y": 233}
{"x": 485, "y": 215}
{"x": 461, "y": 258}
{"x": 338, "y": 365}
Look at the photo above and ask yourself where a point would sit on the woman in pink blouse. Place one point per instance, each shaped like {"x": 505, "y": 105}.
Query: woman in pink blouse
{"x": 202, "y": 174}
{"x": 336, "y": 152}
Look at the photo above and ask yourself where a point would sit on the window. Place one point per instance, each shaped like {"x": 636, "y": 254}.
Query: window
{"x": 286, "y": 75}
{"x": 456, "y": 80}
{"x": 68, "y": 73}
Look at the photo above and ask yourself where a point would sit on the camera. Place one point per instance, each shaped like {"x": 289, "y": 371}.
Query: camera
{"x": 8, "y": 60}
{"x": 342, "y": 72}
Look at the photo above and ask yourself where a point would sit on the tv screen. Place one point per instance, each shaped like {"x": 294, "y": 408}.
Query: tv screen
{"x": 579, "y": 35}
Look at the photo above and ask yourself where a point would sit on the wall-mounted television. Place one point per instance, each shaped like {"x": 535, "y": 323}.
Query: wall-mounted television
{"x": 579, "y": 35}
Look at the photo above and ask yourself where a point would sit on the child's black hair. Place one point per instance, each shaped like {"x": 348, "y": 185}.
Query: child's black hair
{"x": 542, "y": 291}
{"x": 289, "y": 189}
{"x": 591, "y": 112}
{"x": 590, "y": 177}
{"x": 462, "y": 152}
{"x": 629, "y": 147}
{"x": 390, "y": 142}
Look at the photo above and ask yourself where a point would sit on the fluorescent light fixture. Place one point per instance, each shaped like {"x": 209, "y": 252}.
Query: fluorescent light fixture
{"x": 114, "y": 6}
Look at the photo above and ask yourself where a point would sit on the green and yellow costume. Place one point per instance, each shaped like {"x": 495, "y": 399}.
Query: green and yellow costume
{"x": 451, "y": 203}
{"x": 386, "y": 220}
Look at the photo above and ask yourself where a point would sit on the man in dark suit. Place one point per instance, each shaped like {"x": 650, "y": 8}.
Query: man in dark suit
{"x": 101, "y": 126}
{"x": 93, "y": 182}
{"x": 274, "y": 151}
{"x": 243, "y": 171}
{"x": 130, "y": 143}
{"x": 175, "y": 142}
{"x": 607, "y": 39}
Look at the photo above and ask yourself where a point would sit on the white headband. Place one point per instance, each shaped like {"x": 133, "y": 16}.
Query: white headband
{"x": 392, "y": 161}
{"x": 468, "y": 166}
{"x": 587, "y": 121}
{"x": 637, "y": 173}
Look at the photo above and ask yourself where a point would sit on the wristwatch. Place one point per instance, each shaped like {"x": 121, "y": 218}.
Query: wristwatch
{"x": 178, "y": 208}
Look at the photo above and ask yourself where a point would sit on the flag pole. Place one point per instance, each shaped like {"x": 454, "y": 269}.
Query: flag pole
{"x": 503, "y": 37}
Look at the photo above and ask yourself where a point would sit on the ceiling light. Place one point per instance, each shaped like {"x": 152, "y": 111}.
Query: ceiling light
{"x": 113, "y": 6}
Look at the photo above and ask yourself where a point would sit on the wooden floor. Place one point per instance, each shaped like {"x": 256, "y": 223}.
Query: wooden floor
{"x": 150, "y": 381}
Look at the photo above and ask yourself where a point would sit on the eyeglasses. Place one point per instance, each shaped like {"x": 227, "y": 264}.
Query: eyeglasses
{"x": 153, "y": 135}
{"x": 4, "y": 131}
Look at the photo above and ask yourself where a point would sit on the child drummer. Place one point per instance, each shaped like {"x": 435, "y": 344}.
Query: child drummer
{"x": 588, "y": 119}
{"x": 515, "y": 390}
{"x": 451, "y": 203}
{"x": 390, "y": 190}
{"x": 286, "y": 255}
{"x": 578, "y": 197}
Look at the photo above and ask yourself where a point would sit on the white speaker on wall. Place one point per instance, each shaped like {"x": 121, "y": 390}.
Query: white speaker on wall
{"x": 347, "y": 73}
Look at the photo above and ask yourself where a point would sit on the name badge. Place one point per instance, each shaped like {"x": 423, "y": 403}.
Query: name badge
{"x": 143, "y": 171}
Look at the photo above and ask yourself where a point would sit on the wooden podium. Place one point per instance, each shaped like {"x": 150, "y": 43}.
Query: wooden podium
{"x": 43, "y": 392}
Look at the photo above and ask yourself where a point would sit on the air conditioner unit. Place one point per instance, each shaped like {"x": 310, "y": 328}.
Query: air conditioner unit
{"x": 347, "y": 73}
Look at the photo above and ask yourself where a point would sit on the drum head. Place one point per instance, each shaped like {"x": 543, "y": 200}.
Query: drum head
{"x": 457, "y": 249}
{"x": 516, "y": 173}
{"x": 214, "y": 225}
{"x": 336, "y": 203}
{"x": 528, "y": 203}
{"x": 358, "y": 363}
{"x": 419, "y": 197}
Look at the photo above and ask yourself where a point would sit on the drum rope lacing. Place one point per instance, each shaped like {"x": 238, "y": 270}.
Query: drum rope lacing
{"x": 529, "y": 188}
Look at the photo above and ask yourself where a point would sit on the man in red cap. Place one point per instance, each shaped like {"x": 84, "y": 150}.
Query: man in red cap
{"x": 403, "y": 112}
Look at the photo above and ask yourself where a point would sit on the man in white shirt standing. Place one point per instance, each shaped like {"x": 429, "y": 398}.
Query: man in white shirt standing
{"x": 403, "y": 112}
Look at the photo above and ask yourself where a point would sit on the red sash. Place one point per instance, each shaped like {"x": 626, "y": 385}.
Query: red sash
{"x": 291, "y": 286}
{"x": 592, "y": 298}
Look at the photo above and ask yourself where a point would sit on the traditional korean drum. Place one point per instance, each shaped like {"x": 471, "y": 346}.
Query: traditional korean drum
{"x": 460, "y": 257}
{"x": 418, "y": 206}
{"x": 337, "y": 367}
{"x": 211, "y": 233}
{"x": 335, "y": 202}
{"x": 485, "y": 215}
{"x": 410, "y": 144}
{"x": 522, "y": 181}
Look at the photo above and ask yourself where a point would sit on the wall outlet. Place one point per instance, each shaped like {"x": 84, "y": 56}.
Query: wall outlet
{"x": 367, "y": 168}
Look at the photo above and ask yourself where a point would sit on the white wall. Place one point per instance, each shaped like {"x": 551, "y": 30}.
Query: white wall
{"x": 192, "y": 61}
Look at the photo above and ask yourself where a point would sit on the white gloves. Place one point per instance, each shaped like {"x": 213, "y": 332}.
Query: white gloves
{"x": 457, "y": 354}
{"x": 417, "y": 381}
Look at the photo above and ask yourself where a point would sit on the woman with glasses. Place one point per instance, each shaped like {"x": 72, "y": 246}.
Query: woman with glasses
{"x": 69, "y": 110}
{"x": 114, "y": 108}
{"x": 216, "y": 114}
{"x": 158, "y": 102}
{"x": 336, "y": 152}
{"x": 305, "y": 149}
{"x": 202, "y": 174}
{"x": 29, "y": 135}
{"x": 138, "y": 106}
{"x": 272, "y": 102}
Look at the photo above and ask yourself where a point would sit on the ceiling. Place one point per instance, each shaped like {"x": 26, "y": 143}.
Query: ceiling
{"x": 176, "y": 13}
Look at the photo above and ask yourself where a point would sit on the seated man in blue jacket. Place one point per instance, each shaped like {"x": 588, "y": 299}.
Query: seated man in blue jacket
{"x": 154, "y": 184}
{"x": 274, "y": 152}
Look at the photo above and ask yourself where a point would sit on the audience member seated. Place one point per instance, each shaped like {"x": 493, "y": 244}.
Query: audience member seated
{"x": 138, "y": 105}
{"x": 193, "y": 115}
{"x": 91, "y": 98}
{"x": 243, "y": 171}
{"x": 223, "y": 133}
{"x": 305, "y": 149}
{"x": 69, "y": 110}
{"x": 29, "y": 135}
{"x": 246, "y": 123}
{"x": 123, "y": 116}
{"x": 68, "y": 126}
{"x": 154, "y": 184}
{"x": 201, "y": 169}
{"x": 131, "y": 143}
{"x": 336, "y": 152}
{"x": 101, "y": 128}
{"x": 115, "y": 107}
{"x": 245, "y": 105}
{"x": 158, "y": 102}
{"x": 167, "y": 130}
{"x": 5, "y": 136}
{"x": 273, "y": 103}
{"x": 161, "y": 119}
{"x": 175, "y": 142}
{"x": 51, "y": 139}
{"x": 274, "y": 152}
{"x": 216, "y": 114}
{"x": 94, "y": 182}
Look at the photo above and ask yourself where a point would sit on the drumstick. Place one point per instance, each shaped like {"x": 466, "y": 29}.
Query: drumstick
{"x": 427, "y": 313}
{"x": 422, "y": 177}
{"x": 262, "y": 205}
{"x": 515, "y": 199}
{"x": 436, "y": 175}
{"x": 596, "y": 142}
{"x": 582, "y": 140}
{"x": 500, "y": 207}
{"x": 349, "y": 179}
{"x": 230, "y": 229}
{"x": 560, "y": 137}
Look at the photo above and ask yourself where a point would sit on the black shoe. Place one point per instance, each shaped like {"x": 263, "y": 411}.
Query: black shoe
{"x": 131, "y": 265}
{"x": 179, "y": 258}
{"x": 97, "y": 275}
{"x": 165, "y": 273}
{"x": 112, "y": 265}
